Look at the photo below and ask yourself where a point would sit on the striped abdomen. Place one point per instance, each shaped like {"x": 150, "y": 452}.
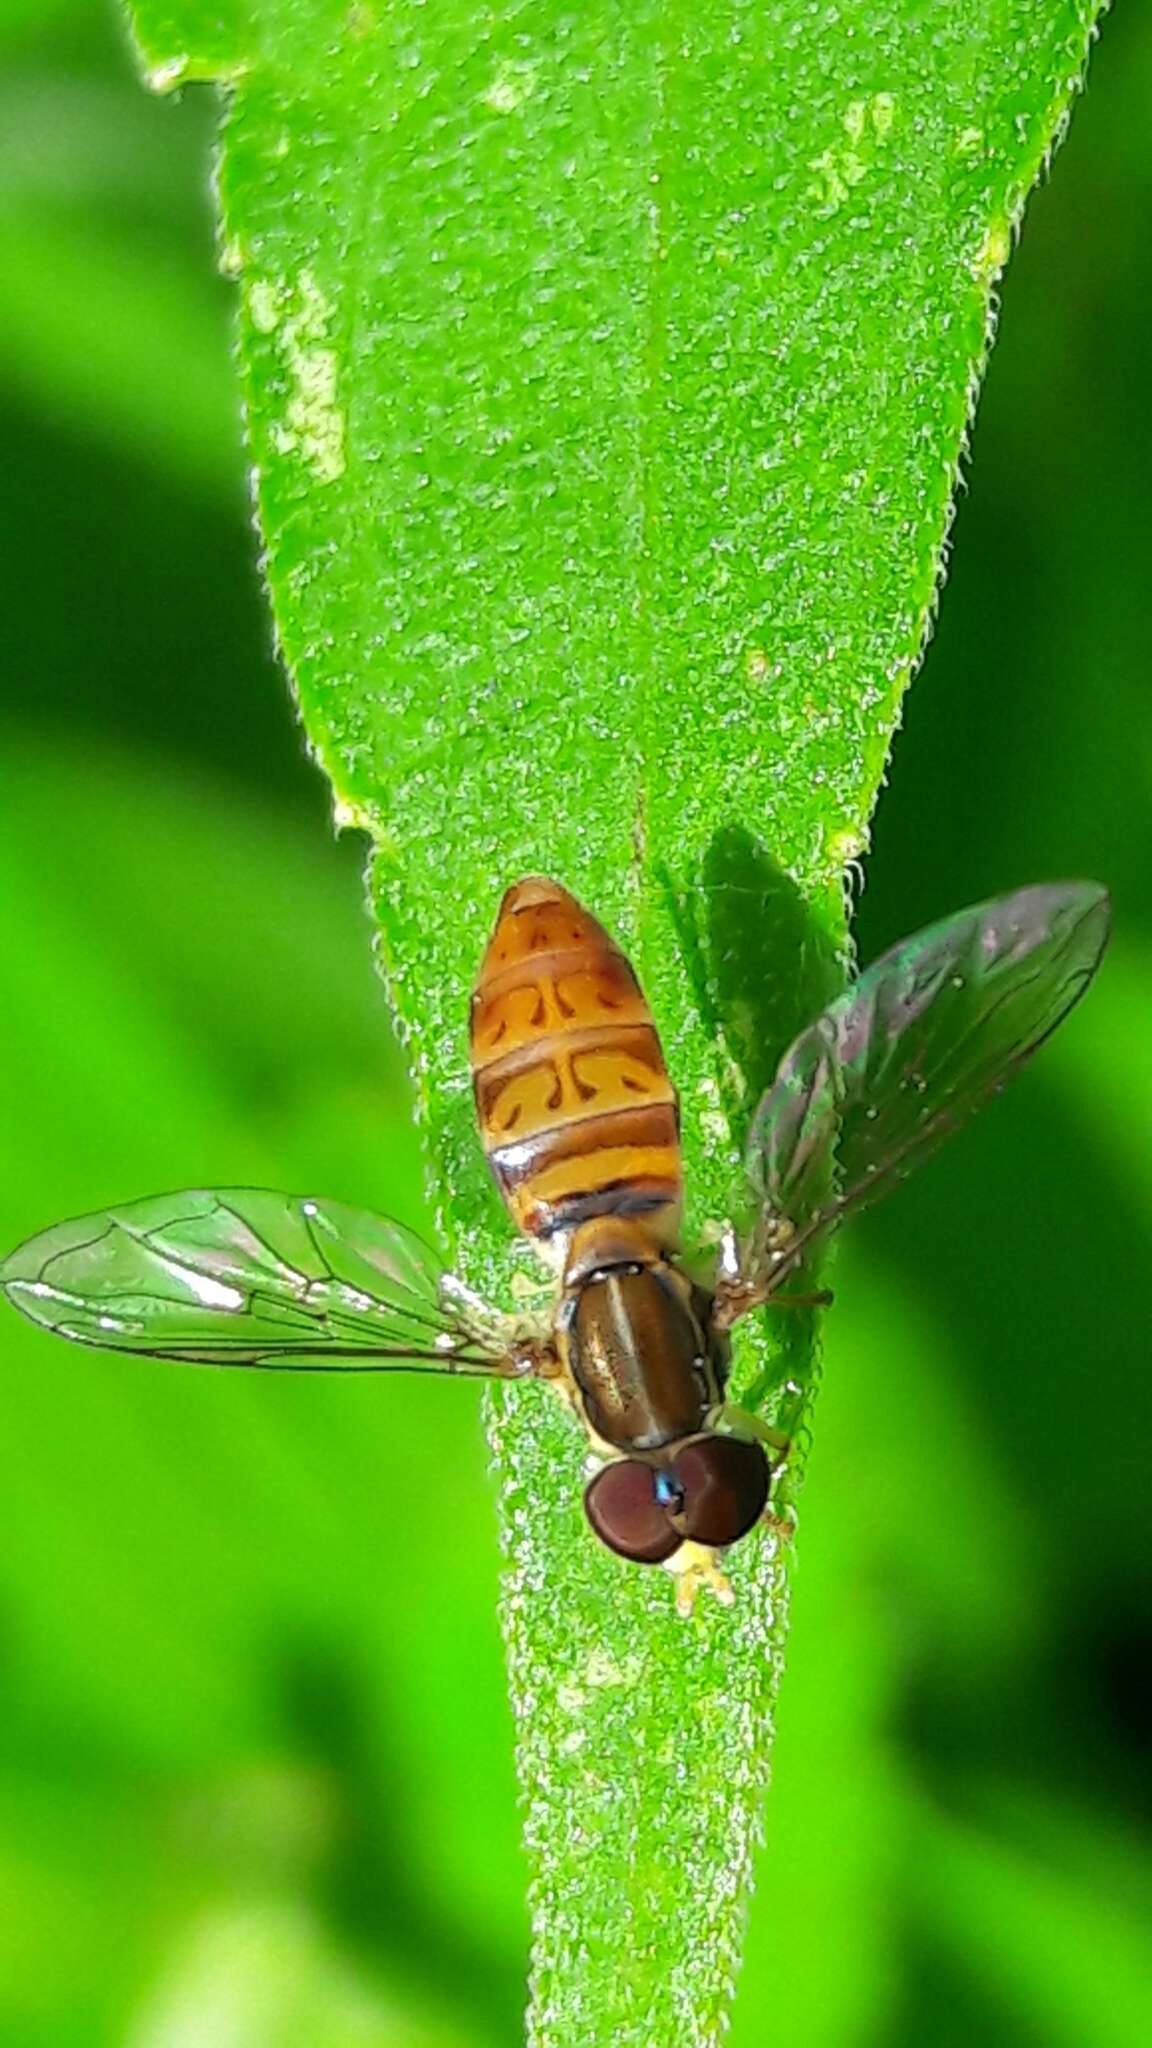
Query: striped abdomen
{"x": 577, "y": 1114}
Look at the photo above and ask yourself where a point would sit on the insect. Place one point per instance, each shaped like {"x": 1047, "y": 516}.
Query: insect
{"x": 580, "y": 1123}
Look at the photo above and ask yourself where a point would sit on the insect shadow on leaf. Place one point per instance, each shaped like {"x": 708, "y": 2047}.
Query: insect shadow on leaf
{"x": 762, "y": 961}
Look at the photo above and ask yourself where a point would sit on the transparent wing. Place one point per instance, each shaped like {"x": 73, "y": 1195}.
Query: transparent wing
{"x": 894, "y": 1065}
{"x": 239, "y": 1276}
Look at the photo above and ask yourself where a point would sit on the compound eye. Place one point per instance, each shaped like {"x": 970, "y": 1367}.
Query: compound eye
{"x": 627, "y": 1513}
{"x": 724, "y": 1483}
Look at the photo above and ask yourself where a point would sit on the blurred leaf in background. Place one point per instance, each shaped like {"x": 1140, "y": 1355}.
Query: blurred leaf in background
{"x": 252, "y": 1719}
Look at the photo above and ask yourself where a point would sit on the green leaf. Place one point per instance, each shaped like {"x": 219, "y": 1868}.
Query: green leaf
{"x": 607, "y": 376}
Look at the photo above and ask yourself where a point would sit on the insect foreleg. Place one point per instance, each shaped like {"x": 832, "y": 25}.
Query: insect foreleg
{"x": 522, "y": 1341}
{"x": 729, "y": 1420}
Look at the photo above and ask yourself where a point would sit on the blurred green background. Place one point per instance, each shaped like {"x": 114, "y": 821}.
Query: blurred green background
{"x": 256, "y": 1785}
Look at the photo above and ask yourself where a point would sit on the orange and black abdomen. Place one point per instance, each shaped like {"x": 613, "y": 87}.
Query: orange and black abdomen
{"x": 577, "y": 1114}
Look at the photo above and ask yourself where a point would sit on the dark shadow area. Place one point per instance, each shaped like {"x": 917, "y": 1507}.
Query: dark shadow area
{"x": 941, "y": 2003}
{"x": 1045, "y": 1308}
{"x": 1097, "y": 1664}
{"x": 762, "y": 965}
{"x": 149, "y": 628}
{"x": 1045, "y": 1316}
{"x": 760, "y": 961}
{"x": 1118, "y": 1644}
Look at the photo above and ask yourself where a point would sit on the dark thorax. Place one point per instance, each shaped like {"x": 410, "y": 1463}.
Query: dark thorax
{"x": 643, "y": 1360}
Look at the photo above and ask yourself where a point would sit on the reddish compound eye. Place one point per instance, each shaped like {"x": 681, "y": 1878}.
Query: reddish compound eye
{"x": 723, "y": 1481}
{"x": 712, "y": 1491}
{"x": 628, "y": 1514}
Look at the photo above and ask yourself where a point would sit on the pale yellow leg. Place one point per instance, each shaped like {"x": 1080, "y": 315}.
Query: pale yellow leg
{"x": 693, "y": 1567}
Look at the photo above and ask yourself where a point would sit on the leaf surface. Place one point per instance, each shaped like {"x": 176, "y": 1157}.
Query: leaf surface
{"x": 607, "y": 375}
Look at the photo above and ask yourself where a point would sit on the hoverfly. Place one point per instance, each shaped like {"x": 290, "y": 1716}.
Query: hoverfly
{"x": 580, "y": 1123}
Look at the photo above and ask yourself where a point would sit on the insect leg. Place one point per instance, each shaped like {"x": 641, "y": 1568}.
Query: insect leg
{"x": 736, "y": 1297}
{"x": 729, "y": 1420}
{"x": 694, "y": 1567}
{"x": 524, "y": 1341}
